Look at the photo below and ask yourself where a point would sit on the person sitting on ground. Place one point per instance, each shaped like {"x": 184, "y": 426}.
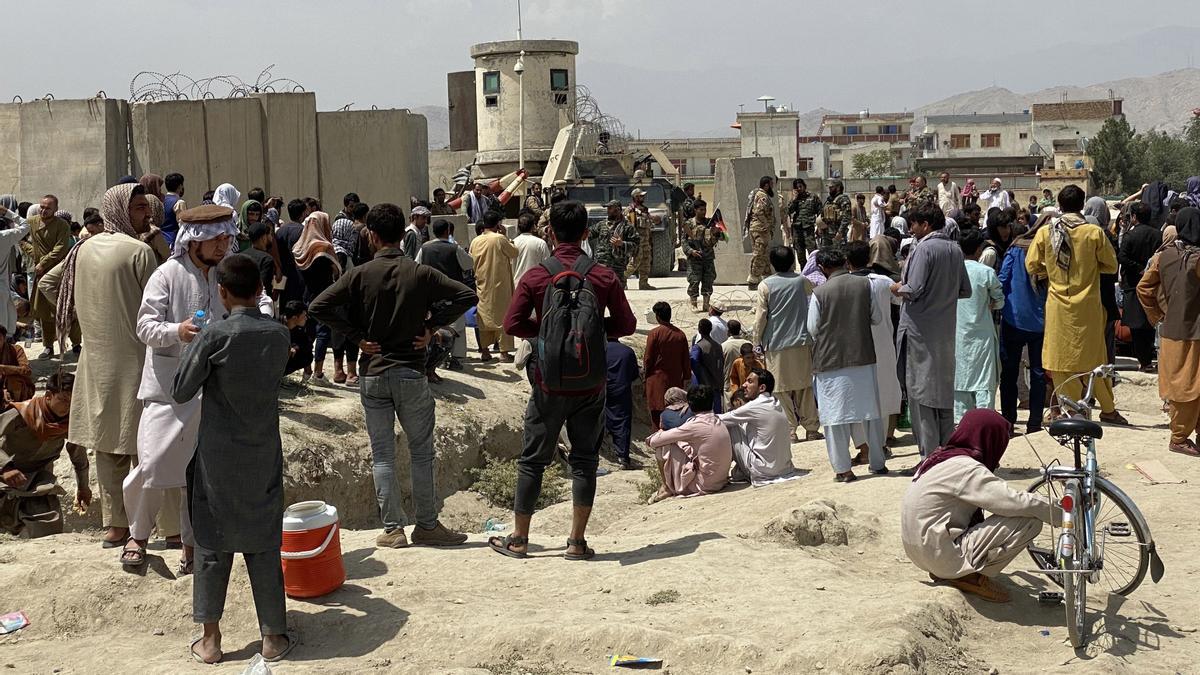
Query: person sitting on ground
{"x": 677, "y": 411}
{"x": 942, "y": 524}
{"x": 235, "y": 479}
{"x": 694, "y": 459}
{"x": 747, "y": 361}
{"x": 760, "y": 433}
{"x": 300, "y": 354}
{"x": 15, "y": 373}
{"x": 32, "y": 435}
{"x": 708, "y": 361}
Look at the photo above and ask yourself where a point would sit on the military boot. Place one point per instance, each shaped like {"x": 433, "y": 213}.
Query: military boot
{"x": 706, "y": 305}
{"x": 692, "y": 301}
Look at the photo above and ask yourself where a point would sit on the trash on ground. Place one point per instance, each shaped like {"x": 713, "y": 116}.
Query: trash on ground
{"x": 1156, "y": 473}
{"x": 626, "y": 661}
{"x": 13, "y": 622}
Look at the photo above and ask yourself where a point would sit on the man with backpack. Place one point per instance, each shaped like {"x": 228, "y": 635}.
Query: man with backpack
{"x": 561, "y": 303}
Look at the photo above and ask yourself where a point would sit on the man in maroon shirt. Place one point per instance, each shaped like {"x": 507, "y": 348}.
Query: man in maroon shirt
{"x": 583, "y": 414}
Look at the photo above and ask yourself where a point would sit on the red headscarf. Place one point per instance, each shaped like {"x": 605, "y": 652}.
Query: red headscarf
{"x": 982, "y": 435}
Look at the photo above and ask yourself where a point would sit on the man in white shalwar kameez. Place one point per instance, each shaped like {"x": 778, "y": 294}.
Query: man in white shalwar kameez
{"x": 167, "y": 431}
{"x": 15, "y": 228}
{"x": 761, "y": 434}
{"x": 532, "y": 251}
{"x": 840, "y": 316}
{"x": 858, "y": 260}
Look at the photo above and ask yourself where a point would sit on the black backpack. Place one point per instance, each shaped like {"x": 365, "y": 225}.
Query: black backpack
{"x": 571, "y": 341}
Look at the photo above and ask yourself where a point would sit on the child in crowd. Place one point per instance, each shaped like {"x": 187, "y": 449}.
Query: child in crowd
{"x": 747, "y": 361}
{"x": 235, "y": 480}
{"x": 300, "y": 354}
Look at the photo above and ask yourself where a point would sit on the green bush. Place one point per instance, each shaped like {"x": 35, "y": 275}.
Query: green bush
{"x": 663, "y": 597}
{"x": 497, "y": 482}
{"x": 650, "y": 487}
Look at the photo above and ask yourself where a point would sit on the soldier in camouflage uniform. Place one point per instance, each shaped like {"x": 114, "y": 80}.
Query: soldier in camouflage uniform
{"x": 613, "y": 240}
{"x": 760, "y": 224}
{"x": 803, "y": 210}
{"x": 699, "y": 245}
{"x": 838, "y": 206}
{"x": 920, "y": 193}
{"x": 639, "y": 216}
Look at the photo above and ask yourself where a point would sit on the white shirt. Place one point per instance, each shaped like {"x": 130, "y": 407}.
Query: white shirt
{"x": 175, "y": 291}
{"x": 720, "y": 330}
{"x": 996, "y": 199}
{"x": 878, "y": 204}
{"x": 764, "y": 426}
{"x": 531, "y": 252}
{"x": 949, "y": 196}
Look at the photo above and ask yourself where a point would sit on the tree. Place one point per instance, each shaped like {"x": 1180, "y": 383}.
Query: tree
{"x": 1112, "y": 155}
{"x": 872, "y": 164}
{"x": 1163, "y": 157}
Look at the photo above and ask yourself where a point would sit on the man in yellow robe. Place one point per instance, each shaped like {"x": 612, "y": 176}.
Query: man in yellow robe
{"x": 493, "y": 254}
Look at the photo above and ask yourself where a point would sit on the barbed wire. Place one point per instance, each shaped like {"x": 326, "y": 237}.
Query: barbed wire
{"x": 600, "y": 133}
{"x": 149, "y": 86}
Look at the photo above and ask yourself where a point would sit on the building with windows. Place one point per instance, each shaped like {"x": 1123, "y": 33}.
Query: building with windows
{"x": 975, "y": 135}
{"x": 830, "y": 153}
{"x": 1063, "y": 129}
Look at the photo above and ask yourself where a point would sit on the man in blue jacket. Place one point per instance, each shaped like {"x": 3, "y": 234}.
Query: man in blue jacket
{"x": 1023, "y": 325}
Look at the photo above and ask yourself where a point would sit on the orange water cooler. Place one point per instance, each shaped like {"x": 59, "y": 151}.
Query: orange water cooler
{"x": 312, "y": 550}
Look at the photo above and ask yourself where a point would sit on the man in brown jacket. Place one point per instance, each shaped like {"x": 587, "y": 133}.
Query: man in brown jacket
{"x": 47, "y": 245}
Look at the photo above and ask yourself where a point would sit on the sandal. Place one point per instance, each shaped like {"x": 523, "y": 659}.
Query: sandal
{"x": 133, "y": 557}
{"x": 185, "y": 567}
{"x": 197, "y": 657}
{"x": 115, "y": 543}
{"x": 433, "y": 377}
{"x": 339, "y": 378}
{"x": 1185, "y": 448}
{"x": 292, "y": 642}
{"x": 587, "y": 554}
{"x": 501, "y": 545}
{"x": 351, "y": 380}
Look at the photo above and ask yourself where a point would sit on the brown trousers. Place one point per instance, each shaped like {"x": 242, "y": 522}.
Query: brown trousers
{"x": 1185, "y": 419}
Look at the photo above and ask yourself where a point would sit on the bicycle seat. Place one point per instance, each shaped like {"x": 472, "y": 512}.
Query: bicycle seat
{"x": 1075, "y": 427}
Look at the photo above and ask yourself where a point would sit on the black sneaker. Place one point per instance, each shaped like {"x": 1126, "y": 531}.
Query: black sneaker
{"x": 626, "y": 464}
{"x": 880, "y": 472}
{"x": 455, "y": 364}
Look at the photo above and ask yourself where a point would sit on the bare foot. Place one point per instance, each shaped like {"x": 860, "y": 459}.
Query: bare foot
{"x": 116, "y": 535}
{"x": 274, "y": 645}
{"x": 659, "y": 496}
{"x": 208, "y": 649}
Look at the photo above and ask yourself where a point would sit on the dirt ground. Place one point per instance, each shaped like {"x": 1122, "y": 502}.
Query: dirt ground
{"x": 802, "y": 576}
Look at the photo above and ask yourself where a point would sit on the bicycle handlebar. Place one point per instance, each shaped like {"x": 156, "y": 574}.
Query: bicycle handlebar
{"x": 1082, "y": 407}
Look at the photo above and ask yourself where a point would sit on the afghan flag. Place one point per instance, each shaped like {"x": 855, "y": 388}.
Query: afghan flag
{"x": 718, "y": 221}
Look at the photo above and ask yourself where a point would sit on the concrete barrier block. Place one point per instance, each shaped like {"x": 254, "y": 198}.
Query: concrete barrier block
{"x": 733, "y": 181}
{"x": 379, "y": 154}
{"x": 170, "y": 137}
{"x": 10, "y": 149}
{"x": 290, "y": 128}
{"x": 236, "y": 153}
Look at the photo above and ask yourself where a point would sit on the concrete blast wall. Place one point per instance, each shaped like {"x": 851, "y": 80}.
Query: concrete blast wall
{"x": 380, "y": 154}
{"x": 734, "y": 179}
{"x": 291, "y": 142}
{"x": 73, "y": 149}
{"x": 236, "y": 145}
{"x": 78, "y": 149}
{"x": 170, "y": 137}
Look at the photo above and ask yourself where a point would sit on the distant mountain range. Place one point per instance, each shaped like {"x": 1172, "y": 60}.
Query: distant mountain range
{"x": 1162, "y": 102}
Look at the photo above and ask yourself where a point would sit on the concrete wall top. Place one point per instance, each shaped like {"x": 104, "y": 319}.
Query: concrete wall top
{"x": 380, "y": 154}
{"x": 10, "y": 148}
{"x": 236, "y": 152}
{"x": 75, "y": 149}
{"x": 515, "y": 47}
{"x": 290, "y": 130}
{"x": 170, "y": 137}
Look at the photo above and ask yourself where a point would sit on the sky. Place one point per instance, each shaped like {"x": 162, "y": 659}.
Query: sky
{"x": 661, "y": 66}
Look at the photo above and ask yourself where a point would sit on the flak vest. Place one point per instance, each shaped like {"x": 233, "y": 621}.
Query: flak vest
{"x": 843, "y": 335}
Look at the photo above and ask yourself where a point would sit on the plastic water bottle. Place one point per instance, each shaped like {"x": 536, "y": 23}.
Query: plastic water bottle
{"x": 493, "y": 525}
{"x": 200, "y": 319}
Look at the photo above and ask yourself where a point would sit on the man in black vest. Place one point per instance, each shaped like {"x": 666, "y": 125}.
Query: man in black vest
{"x": 450, "y": 259}
{"x": 840, "y": 317}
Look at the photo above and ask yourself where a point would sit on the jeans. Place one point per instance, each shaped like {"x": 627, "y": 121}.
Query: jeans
{"x": 401, "y": 393}
{"x": 544, "y": 417}
{"x": 324, "y": 337}
{"x": 1012, "y": 341}
{"x": 211, "y": 582}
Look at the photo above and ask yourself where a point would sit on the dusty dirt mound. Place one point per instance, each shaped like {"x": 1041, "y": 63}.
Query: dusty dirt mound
{"x": 821, "y": 522}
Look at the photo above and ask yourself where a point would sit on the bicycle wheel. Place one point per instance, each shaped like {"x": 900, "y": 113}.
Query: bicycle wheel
{"x": 1075, "y": 585}
{"x": 1125, "y": 557}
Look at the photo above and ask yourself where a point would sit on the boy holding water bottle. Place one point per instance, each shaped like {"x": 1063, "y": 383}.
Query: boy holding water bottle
{"x": 168, "y": 320}
{"x": 235, "y": 480}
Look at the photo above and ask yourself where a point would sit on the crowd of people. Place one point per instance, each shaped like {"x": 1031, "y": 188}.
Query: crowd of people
{"x": 910, "y": 312}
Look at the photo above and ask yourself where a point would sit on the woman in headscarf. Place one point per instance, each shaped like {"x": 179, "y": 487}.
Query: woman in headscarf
{"x": 227, "y": 195}
{"x": 970, "y": 193}
{"x": 154, "y": 185}
{"x": 1192, "y": 193}
{"x": 318, "y": 264}
{"x": 1174, "y": 274}
{"x": 942, "y": 524}
{"x": 1137, "y": 247}
{"x": 250, "y": 213}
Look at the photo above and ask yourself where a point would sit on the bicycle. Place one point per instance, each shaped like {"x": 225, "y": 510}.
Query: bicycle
{"x": 1104, "y": 539}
